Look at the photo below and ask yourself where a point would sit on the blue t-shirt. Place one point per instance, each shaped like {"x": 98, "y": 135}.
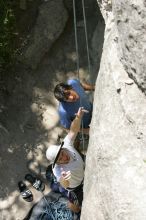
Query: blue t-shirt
{"x": 67, "y": 110}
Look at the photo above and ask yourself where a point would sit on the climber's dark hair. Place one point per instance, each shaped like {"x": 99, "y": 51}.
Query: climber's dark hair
{"x": 61, "y": 92}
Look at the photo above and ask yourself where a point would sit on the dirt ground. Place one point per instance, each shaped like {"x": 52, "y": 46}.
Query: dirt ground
{"x": 28, "y": 114}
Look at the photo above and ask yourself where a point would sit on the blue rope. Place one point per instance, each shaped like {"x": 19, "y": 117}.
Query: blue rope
{"x": 56, "y": 210}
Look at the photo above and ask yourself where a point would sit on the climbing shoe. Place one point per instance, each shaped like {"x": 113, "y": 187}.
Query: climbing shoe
{"x": 25, "y": 192}
{"x": 35, "y": 182}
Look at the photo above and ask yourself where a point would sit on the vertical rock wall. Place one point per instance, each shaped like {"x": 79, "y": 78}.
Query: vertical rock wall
{"x": 115, "y": 176}
{"x": 130, "y": 19}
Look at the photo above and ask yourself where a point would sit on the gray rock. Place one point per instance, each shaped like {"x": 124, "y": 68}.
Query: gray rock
{"x": 97, "y": 46}
{"x": 130, "y": 19}
{"x": 115, "y": 173}
{"x": 105, "y": 7}
{"x": 50, "y": 24}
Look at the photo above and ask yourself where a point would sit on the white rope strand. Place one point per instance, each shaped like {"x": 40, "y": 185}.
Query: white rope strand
{"x": 86, "y": 36}
{"x": 78, "y": 66}
{"x": 76, "y": 38}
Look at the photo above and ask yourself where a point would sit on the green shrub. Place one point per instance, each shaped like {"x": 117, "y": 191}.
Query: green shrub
{"x": 7, "y": 33}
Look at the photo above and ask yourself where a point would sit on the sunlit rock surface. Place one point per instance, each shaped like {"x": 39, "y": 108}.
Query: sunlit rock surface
{"x": 130, "y": 19}
{"x": 115, "y": 177}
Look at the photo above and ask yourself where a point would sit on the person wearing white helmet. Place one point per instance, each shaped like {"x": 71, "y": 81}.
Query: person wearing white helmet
{"x": 68, "y": 165}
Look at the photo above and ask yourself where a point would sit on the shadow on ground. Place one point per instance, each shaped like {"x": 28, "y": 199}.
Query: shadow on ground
{"x": 28, "y": 112}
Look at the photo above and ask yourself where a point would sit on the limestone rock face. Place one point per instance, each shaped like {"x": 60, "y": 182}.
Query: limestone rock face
{"x": 130, "y": 19}
{"x": 49, "y": 25}
{"x": 115, "y": 176}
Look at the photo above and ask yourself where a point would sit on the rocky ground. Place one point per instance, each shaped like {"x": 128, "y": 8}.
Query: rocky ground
{"x": 28, "y": 112}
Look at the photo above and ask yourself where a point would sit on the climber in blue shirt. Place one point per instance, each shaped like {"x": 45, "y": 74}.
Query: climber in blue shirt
{"x": 72, "y": 96}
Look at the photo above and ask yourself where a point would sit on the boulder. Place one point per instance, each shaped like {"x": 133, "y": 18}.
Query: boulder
{"x": 50, "y": 23}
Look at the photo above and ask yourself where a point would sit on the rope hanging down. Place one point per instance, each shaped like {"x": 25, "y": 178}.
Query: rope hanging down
{"x": 77, "y": 52}
{"x": 76, "y": 38}
{"x": 86, "y": 36}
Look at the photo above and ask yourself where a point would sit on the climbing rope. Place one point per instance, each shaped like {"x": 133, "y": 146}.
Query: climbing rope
{"x": 76, "y": 38}
{"x": 77, "y": 62}
{"x": 48, "y": 210}
{"x": 86, "y": 36}
{"x": 56, "y": 210}
{"x": 77, "y": 53}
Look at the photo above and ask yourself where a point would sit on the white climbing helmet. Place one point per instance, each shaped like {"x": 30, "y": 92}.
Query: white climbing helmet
{"x": 52, "y": 152}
